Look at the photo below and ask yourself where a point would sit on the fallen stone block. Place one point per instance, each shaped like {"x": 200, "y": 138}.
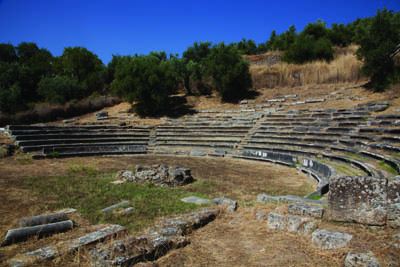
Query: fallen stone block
{"x": 116, "y": 206}
{"x": 65, "y": 247}
{"x": 290, "y": 223}
{"x": 152, "y": 243}
{"x": 196, "y": 200}
{"x": 396, "y": 240}
{"x": 290, "y": 96}
{"x": 361, "y": 260}
{"x": 264, "y": 198}
{"x": 359, "y": 199}
{"x": 22, "y": 234}
{"x": 43, "y": 219}
{"x": 325, "y": 239}
{"x": 260, "y": 215}
{"x": 304, "y": 209}
{"x": 315, "y": 100}
{"x": 232, "y": 204}
{"x": 102, "y": 114}
{"x": 277, "y": 221}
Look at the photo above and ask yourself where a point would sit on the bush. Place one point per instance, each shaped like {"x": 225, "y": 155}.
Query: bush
{"x": 306, "y": 48}
{"x": 149, "y": 80}
{"x": 230, "y": 73}
{"x": 381, "y": 38}
{"x": 59, "y": 89}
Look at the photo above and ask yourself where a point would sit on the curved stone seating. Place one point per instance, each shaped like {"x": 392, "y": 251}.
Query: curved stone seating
{"x": 80, "y": 141}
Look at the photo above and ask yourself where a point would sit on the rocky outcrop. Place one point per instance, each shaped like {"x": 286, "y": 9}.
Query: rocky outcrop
{"x": 161, "y": 175}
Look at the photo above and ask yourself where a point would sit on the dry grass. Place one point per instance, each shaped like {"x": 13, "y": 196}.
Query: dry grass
{"x": 237, "y": 239}
{"x": 344, "y": 68}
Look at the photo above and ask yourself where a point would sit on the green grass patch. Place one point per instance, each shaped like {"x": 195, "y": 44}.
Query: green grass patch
{"x": 395, "y": 155}
{"x": 91, "y": 193}
{"x": 387, "y": 168}
{"x": 315, "y": 197}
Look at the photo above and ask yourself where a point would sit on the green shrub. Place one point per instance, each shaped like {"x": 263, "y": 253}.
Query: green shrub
{"x": 230, "y": 73}
{"x": 378, "y": 42}
{"x": 59, "y": 89}
{"x": 149, "y": 80}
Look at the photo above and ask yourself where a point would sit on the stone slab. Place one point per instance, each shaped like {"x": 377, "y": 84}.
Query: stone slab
{"x": 304, "y": 209}
{"x": 361, "y": 260}
{"x": 116, "y": 206}
{"x": 325, "y": 239}
{"x": 359, "y": 199}
{"x": 196, "y": 200}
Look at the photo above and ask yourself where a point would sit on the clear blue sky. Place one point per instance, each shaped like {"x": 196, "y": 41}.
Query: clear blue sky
{"x": 140, "y": 26}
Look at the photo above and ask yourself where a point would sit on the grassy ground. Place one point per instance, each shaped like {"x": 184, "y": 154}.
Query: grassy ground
{"x": 29, "y": 187}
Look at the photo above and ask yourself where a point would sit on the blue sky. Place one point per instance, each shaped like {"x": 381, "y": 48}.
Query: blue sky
{"x": 139, "y": 26}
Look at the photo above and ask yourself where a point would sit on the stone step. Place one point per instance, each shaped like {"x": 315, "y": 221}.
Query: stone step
{"x": 43, "y": 142}
{"x": 60, "y": 146}
{"x": 96, "y": 149}
{"x": 79, "y": 136}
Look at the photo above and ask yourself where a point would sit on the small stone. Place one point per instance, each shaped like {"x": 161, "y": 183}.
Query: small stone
{"x": 361, "y": 260}
{"x": 396, "y": 240}
{"x": 260, "y": 215}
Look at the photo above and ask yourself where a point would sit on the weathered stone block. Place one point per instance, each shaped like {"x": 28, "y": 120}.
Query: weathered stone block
{"x": 304, "y": 209}
{"x": 396, "y": 240}
{"x": 359, "y": 199}
{"x": 361, "y": 260}
{"x": 276, "y": 221}
{"x": 325, "y": 239}
{"x": 196, "y": 200}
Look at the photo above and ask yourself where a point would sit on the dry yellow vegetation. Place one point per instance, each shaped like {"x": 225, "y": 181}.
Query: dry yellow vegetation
{"x": 344, "y": 68}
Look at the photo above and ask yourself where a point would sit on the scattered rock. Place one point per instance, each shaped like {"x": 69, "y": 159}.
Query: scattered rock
{"x": 22, "y": 234}
{"x": 232, "y": 204}
{"x": 103, "y": 114}
{"x": 361, "y": 260}
{"x": 116, "y": 206}
{"x": 314, "y": 100}
{"x": 161, "y": 175}
{"x": 69, "y": 120}
{"x": 290, "y": 223}
{"x": 304, "y": 209}
{"x": 264, "y": 198}
{"x": 196, "y": 200}
{"x": 325, "y": 239}
{"x": 42, "y": 219}
{"x": 153, "y": 242}
{"x": 396, "y": 240}
{"x": 260, "y": 215}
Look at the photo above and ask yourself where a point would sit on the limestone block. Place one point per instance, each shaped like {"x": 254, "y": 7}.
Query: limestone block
{"x": 276, "y": 221}
{"x": 232, "y": 204}
{"x": 116, "y": 206}
{"x": 325, "y": 239}
{"x": 196, "y": 200}
{"x": 359, "y": 199}
{"x": 361, "y": 260}
{"x": 396, "y": 240}
{"x": 304, "y": 209}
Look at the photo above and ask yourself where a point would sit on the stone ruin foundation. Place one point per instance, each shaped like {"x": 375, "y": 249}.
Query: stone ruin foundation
{"x": 159, "y": 175}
